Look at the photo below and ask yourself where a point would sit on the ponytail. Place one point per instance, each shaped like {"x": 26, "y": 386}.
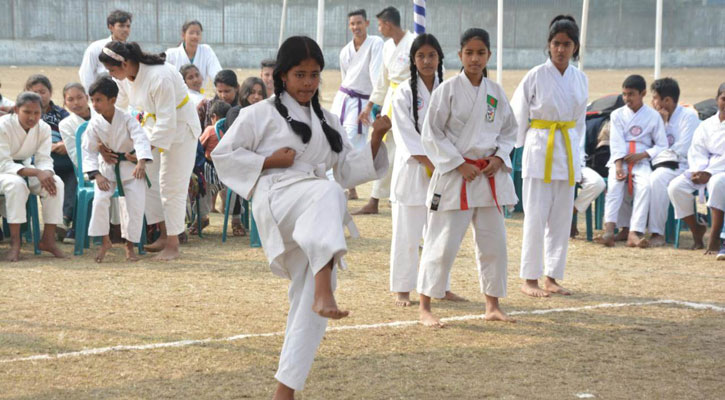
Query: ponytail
{"x": 118, "y": 52}
{"x": 414, "y": 90}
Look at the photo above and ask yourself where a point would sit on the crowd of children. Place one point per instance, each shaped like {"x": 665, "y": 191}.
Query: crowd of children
{"x": 440, "y": 150}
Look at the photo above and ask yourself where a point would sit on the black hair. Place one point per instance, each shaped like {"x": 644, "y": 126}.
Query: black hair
{"x": 293, "y": 51}
{"x": 185, "y": 69}
{"x": 635, "y": 82}
{"x": 117, "y": 16}
{"x": 248, "y": 86}
{"x": 268, "y": 63}
{"x": 229, "y": 78}
{"x": 130, "y": 51}
{"x": 480, "y": 34}
{"x": 28, "y": 97}
{"x": 73, "y": 85}
{"x": 105, "y": 86}
{"x": 720, "y": 90}
{"x": 390, "y": 14}
{"x": 565, "y": 24}
{"x": 188, "y": 24}
{"x": 38, "y": 79}
{"x": 666, "y": 87}
{"x": 361, "y": 12}
{"x": 420, "y": 41}
{"x": 219, "y": 108}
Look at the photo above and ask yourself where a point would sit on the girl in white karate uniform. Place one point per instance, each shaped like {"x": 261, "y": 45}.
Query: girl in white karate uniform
{"x": 158, "y": 89}
{"x": 193, "y": 80}
{"x": 468, "y": 133}
{"x": 410, "y": 178}
{"x": 550, "y": 107}
{"x": 278, "y": 151}
{"x": 192, "y": 51}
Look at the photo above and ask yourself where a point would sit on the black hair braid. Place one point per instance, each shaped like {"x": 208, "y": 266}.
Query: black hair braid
{"x": 299, "y": 128}
{"x": 333, "y": 136}
{"x": 440, "y": 72}
{"x": 414, "y": 89}
{"x": 485, "y": 72}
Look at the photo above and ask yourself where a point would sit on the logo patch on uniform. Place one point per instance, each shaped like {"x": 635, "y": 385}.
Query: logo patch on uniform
{"x": 670, "y": 139}
{"x": 420, "y": 104}
{"x": 491, "y": 104}
{"x": 434, "y": 202}
{"x": 635, "y": 130}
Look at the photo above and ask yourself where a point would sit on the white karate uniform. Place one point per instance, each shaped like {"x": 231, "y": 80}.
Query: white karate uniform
{"x": 591, "y": 184}
{"x": 359, "y": 70}
{"x": 91, "y": 68}
{"x": 678, "y": 131}
{"x": 646, "y": 129}
{"x": 409, "y": 187}
{"x": 123, "y": 135}
{"x": 205, "y": 60}
{"x": 546, "y": 94}
{"x": 196, "y": 97}
{"x": 160, "y": 90}
{"x": 467, "y": 122}
{"x": 299, "y": 213}
{"x": 17, "y": 145}
{"x": 395, "y": 70}
{"x": 707, "y": 153}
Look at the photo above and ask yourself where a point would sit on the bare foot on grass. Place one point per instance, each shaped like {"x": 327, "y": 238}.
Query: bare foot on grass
{"x": 130, "y": 253}
{"x": 498, "y": 315}
{"x": 657, "y": 240}
{"x": 402, "y": 299}
{"x": 428, "y": 319}
{"x": 450, "y": 296}
{"x": 552, "y": 287}
{"x": 105, "y": 246}
{"x": 531, "y": 288}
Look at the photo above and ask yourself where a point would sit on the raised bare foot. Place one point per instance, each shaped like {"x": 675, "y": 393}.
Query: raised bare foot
{"x": 326, "y": 306}
{"x": 657, "y": 240}
{"x": 497, "y": 315}
{"x": 428, "y": 319}
{"x": 51, "y": 248}
{"x": 531, "y": 288}
{"x": 402, "y": 299}
{"x": 14, "y": 254}
{"x": 105, "y": 246}
{"x": 167, "y": 254}
{"x": 608, "y": 239}
{"x": 370, "y": 208}
{"x": 156, "y": 246}
{"x": 622, "y": 235}
{"x": 450, "y": 296}
{"x": 130, "y": 253}
{"x": 551, "y": 286}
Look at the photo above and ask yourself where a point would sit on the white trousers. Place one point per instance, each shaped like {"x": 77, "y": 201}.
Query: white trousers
{"x": 352, "y": 111}
{"x": 408, "y": 231}
{"x": 154, "y": 209}
{"x": 176, "y": 165}
{"x": 616, "y": 191}
{"x": 131, "y": 210}
{"x": 659, "y": 201}
{"x": 16, "y": 192}
{"x": 443, "y": 238}
{"x": 547, "y": 224}
{"x": 592, "y": 185}
{"x": 309, "y": 216}
{"x": 381, "y": 187}
{"x": 681, "y": 193}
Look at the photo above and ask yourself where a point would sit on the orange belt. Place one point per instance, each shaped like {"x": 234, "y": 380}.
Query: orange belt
{"x": 480, "y": 164}
{"x": 630, "y": 179}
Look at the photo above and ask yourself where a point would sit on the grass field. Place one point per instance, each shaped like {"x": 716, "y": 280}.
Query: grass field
{"x": 615, "y": 338}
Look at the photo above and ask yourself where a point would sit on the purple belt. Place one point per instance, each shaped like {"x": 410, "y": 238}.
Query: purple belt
{"x": 360, "y": 97}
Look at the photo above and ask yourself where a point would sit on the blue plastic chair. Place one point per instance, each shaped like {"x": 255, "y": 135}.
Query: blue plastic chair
{"x": 30, "y": 229}
{"x": 84, "y": 201}
{"x": 516, "y": 176}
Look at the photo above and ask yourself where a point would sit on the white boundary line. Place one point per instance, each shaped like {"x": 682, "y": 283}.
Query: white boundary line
{"x": 394, "y": 324}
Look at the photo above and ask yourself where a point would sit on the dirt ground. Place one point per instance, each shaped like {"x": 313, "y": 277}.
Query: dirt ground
{"x": 219, "y": 290}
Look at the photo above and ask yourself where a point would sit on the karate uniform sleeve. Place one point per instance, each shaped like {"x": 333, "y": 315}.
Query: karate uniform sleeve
{"x": 440, "y": 150}
{"x": 581, "y": 128}
{"x": 380, "y": 86}
{"x": 7, "y": 165}
{"x": 90, "y": 149}
{"x": 617, "y": 144}
{"x": 164, "y": 129}
{"x": 509, "y": 131}
{"x": 659, "y": 139}
{"x": 687, "y": 128}
{"x": 213, "y": 65}
{"x": 87, "y": 71}
{"x": 520, "y": 106}
{"x": 42, "y": 159}
{"x": 236, "y": 163}
{"x": 376, "y": 60}
{"x": 122, "y": 98}
{"x": 354, "y": 167}
{"x": 404, "y": 130}
{"x": 698, "y": 156}
{"x": 69, "y": 138}
{"x": 140, "y": 140}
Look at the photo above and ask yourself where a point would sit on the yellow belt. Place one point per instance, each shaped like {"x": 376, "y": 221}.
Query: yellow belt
{"x": 394, "y": 86}
{"x": 152, "y": 115}
{"x": 553, "y": 126}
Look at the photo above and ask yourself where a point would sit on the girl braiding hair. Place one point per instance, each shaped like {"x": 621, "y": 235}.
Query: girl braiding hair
{"x": 115, "y": 53}
{"x": 292, "y": 52}
{"x": 420, "y": 41}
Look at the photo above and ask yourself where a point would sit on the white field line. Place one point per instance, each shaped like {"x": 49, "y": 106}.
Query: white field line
{"x": 394, "y": 324}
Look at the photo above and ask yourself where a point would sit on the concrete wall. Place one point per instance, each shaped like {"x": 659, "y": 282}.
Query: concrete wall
{"x": 242, "y": 32}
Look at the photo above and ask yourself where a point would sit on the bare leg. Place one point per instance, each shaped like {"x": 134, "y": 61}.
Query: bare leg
{"x": 698, "y": 231}
{"x": 283, "y": 392}
{"x": 657, "y": 240}
{"x": 47, "y": 241}
{"x": 170, "y": 250}
{"x": 713, "y": 245}
{"x": 426, "y": 315}
{"x": 160, "y": 243}
{"x": 637, "y": 239}
{"x": 352, "y": 194}
{"x": 402, "y": 299}
{"x": 552, "y": 287}
{"x": 130, "y": 253}
{"x": 213, "y": 203}
{"x": 450, "y": 296}
{"x": 14, "y": 253}
{"x": 608, "y": 237}
{"x": 493, "y": 311}
{"x": 531, "y": 288}
{"x": 370, "y": 208}
{"x": 574, "y": 230}
{"x": 105, "y": 246}
{"x": 325, "y": 304}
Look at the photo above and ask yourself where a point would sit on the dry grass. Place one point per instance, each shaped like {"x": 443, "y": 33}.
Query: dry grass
{"x": 219, "y": 290}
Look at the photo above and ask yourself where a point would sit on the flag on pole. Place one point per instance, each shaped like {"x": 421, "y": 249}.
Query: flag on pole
{"x": 419, "y": 16}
